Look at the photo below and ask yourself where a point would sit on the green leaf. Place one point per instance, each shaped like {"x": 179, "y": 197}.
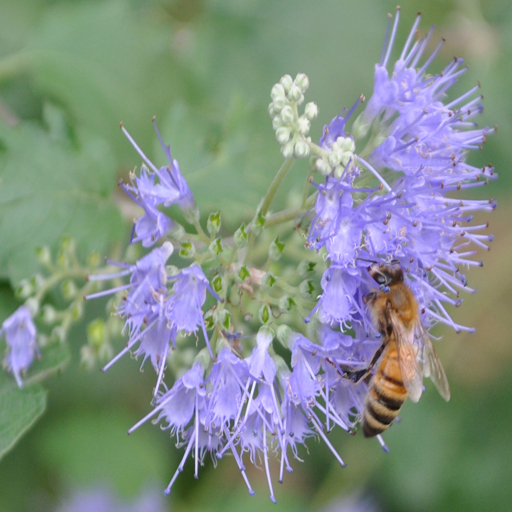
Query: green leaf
{"x": 19, "y": 410}
{"x": 53, "y": 359}
{"x": 50, "y": 188}
{"x": 229, "y": 159}
{"x": 106, "y": 62}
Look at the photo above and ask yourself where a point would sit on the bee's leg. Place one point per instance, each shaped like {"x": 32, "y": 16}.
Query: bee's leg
{"x": 357, "y": 375}
{"x": 370, "y": 297}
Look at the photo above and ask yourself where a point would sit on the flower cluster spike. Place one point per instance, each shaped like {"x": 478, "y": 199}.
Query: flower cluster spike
{"x": 387, "y": 194}
{"x": 291, "y": 129}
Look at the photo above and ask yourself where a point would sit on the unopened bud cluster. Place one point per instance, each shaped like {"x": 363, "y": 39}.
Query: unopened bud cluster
{"x": 290, "y": 127}
{"x": 334, "y": 162}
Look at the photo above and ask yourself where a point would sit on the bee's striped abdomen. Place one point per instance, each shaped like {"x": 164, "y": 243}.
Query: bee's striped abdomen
{"x": 386, "y": 394}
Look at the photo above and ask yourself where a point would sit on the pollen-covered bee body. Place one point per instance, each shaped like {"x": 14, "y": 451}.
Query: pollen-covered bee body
{"x": 395, "y": 314}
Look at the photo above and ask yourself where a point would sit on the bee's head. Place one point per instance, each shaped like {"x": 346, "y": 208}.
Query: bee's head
{"x": 386, "y": 275}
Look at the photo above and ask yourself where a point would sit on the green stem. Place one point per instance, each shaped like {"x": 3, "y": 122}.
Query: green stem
{"x": 287, "y": 215}
{"x": 276, "y": 182}
{"x": 202, "y": 235}
{"x": 267, "y": 200}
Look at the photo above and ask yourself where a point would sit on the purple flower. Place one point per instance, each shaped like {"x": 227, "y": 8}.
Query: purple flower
{"x": 20, "y": 334}
{"x": 417, "y": 152}
{"x": 148, "y": 193}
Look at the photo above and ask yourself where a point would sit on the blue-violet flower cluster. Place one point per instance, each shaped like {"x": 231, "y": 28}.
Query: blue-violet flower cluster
{"x": 387, "y": 192}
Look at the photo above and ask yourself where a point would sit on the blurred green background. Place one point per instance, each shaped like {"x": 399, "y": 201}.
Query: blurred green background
{"x": 70, "y": 71}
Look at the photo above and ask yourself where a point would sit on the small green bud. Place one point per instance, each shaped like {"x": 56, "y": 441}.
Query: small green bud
{"x": 94, "y": 259}
{"x": 187, "y": 250}
{"x": 25, "y": 289}
{"x": 87, "y": 357}
{"x": 68, "y": 245}
{"x": 217, "y": 284}
{"x": 209, "y": 320}
{"x": 241, "y": 237}
{"x": 243, "y": 273}
{"x": 96, "y": 332}
{"x": 264, "y": 314}
{"x": 203, "y": 357}
{"x": 258, "y": 225}
{"x": 268, "y": 280}
{"x": 301, "y": 149}
{"x": 276, "y": 249}
{"x": 77, "y": 310}
{"x": 283, "y": 334}
{"x": 306, "y": 267}
{"x": 48, "y": 314}
{"x": 224, "y": 320}
{"x": 59, "y": 334}
{"x": 33, "y": 305}
{"x": 286, "y": 304}
{"x": 307, "y": 289}
{"x": 215, "y": 247}
{"x": 178, "y": 232}
{"x": 43, "y": 255}
{"x": 361, "y": 126}
{"x": 213, "y": 223}
{"x": 68, "y": 289}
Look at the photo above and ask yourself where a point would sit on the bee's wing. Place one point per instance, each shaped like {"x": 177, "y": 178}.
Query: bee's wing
{"x": 412, "y": 374}
{"x": 432, "y": 366}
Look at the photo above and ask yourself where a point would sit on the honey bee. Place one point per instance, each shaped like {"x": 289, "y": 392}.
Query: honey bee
{"x": 394, "y": 312}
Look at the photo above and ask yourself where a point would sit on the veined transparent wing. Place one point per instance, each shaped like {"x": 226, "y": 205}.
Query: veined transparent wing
{"x": 432, "y": 366}
{"x": 412, "y": 374}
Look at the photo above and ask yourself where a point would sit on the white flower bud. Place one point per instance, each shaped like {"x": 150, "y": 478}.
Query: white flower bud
{"x": 277, "y": 122}
{"x": 287, "y": 149}
{"x": 334, "y": 157}
{"x": 347, "y": 144}
{"x": 302, "y": 81}
{"x": 33, "y": 305}
{"x": 303, "y": 125}
{"x": 311, "y": 110}
{"x": 277, "y": 92}
{"x": 346, "y": 157}
{"x": 295, "y": 93}
{"x": 283, "y": 135}
{"x": 286, "y": 81}
{"x": 323, "y": 167}
{"x": 301, "y": 149}
{"x": 287, "y": 115}
{"x": 280, "y": 103}
{"x": 338, "y": 171}
{"x": 271, "y": 110}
